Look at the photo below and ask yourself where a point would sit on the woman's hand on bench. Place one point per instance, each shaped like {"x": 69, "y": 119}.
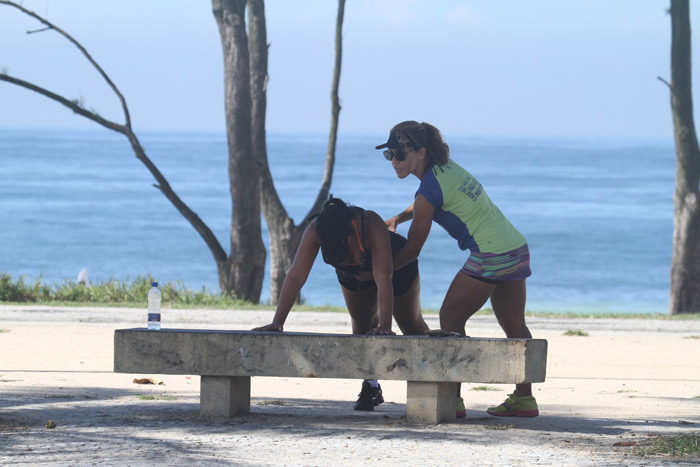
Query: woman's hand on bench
{"x": 380, "y": 331}
{"x": 270, "y": 327}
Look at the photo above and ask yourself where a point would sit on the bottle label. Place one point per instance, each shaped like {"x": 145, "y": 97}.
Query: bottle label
{"x": 153, "y": 317}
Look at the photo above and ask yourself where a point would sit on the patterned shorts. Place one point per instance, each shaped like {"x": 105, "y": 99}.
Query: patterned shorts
{"x": 512, "y": 265}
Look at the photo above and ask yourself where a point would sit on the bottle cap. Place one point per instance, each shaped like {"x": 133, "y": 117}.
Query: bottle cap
{"x": 154, "y": 284}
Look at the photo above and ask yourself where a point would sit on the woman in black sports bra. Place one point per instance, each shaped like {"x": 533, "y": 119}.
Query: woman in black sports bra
{"x": 359, "y": 246}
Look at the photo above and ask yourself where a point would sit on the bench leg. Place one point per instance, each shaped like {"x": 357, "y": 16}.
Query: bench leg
{"x": 430, "y": 402}
{"x": 224, "y": 396}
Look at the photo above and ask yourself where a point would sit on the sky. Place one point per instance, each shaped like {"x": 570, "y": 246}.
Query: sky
{"x": 581, "y": 68}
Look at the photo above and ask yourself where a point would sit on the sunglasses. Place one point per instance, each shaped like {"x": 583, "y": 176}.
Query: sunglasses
{"x": 399, "y": 155}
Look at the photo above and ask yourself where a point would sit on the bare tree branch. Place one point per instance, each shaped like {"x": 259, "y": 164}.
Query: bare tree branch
{"x": 82, "y": 50}
{"x": 163, "y": 185}
{"x": 38, "y": 30}
{"x": 335, "y": 113}
{"x": 70, "y": 104}
{"x": 665, "y": 82}
{"x": 284, "y": 235}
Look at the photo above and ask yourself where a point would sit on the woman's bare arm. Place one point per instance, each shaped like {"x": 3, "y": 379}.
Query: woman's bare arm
{"x": 296, "y": 278}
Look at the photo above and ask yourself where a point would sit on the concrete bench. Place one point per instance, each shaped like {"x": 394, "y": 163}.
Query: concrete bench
{"x": 432, "y": 366}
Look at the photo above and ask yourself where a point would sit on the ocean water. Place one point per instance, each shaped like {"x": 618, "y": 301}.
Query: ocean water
{"x": 598, "y": 214}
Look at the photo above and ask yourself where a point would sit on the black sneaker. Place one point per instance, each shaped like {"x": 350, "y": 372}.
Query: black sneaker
{"x": 369, "y": 397}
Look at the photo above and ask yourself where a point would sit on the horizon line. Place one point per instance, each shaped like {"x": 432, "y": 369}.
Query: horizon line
{"x": 363, "y": 133}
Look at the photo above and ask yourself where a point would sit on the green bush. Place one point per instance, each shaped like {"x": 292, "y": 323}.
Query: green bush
{"x": 21, "y": 291}
{"x": 576, "y": 332}
{"x": 674, "y": 445}
{"x": 111, "y": 292}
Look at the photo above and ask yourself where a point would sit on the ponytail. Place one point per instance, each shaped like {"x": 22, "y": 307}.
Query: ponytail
{"x": 437, "y": 150}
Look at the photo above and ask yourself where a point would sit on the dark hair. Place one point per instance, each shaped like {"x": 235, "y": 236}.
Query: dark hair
{"x": 333, "y": 227}
{"x": 412, "y": 134}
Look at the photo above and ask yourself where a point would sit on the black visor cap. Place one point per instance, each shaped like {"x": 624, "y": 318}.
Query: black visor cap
{"x": 392, "y": 142}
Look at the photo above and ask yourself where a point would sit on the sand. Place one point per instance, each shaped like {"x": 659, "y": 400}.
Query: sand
{"x": 629, "y": 380}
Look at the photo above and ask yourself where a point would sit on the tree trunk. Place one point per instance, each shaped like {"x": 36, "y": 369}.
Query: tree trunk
{"x": 244, "y": 269}
{"x": 284, "y": 235}
{"x": 685, "y": 263}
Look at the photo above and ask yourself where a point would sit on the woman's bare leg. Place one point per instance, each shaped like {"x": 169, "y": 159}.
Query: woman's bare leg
{"x": 508, "y": 302}
{"x": 465, "y": 297}
{"x": 363, "y": 308}
{"x": 364, "y": 313}
{"x": 407, "y": 311}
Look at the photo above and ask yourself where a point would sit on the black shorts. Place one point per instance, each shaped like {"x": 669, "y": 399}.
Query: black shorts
{"x": 402, "y": 279}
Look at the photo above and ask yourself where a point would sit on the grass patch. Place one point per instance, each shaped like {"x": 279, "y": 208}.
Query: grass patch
{"x": 113, "y": 292}
{"x": 691, "y": 337}
{"x": 4, "y": 330}
{"x": 275, "y": 402}
{"x": 677, "y": 445}
{"x": 501, "y": 426}
{"x": 485, "y": 388}
{"x": 157, "y": 397}
{"x": 576, "y": 332}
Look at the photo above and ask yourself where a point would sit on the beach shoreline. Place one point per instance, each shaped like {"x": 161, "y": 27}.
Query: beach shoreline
{"x": 629, "y": 380}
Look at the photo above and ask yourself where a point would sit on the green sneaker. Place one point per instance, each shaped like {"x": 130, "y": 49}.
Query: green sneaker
{"x": 515, "y": 406}
{"x": 461, "y": 411}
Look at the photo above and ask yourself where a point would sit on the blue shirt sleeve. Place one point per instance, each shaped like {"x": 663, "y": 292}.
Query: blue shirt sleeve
{"x": 430, "y": 188}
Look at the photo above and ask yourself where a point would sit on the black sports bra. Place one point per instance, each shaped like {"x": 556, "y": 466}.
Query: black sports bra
{"x": 365, "y": 264}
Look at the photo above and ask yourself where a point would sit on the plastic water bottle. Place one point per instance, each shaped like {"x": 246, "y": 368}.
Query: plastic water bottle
{"x": 154, "y": 307}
